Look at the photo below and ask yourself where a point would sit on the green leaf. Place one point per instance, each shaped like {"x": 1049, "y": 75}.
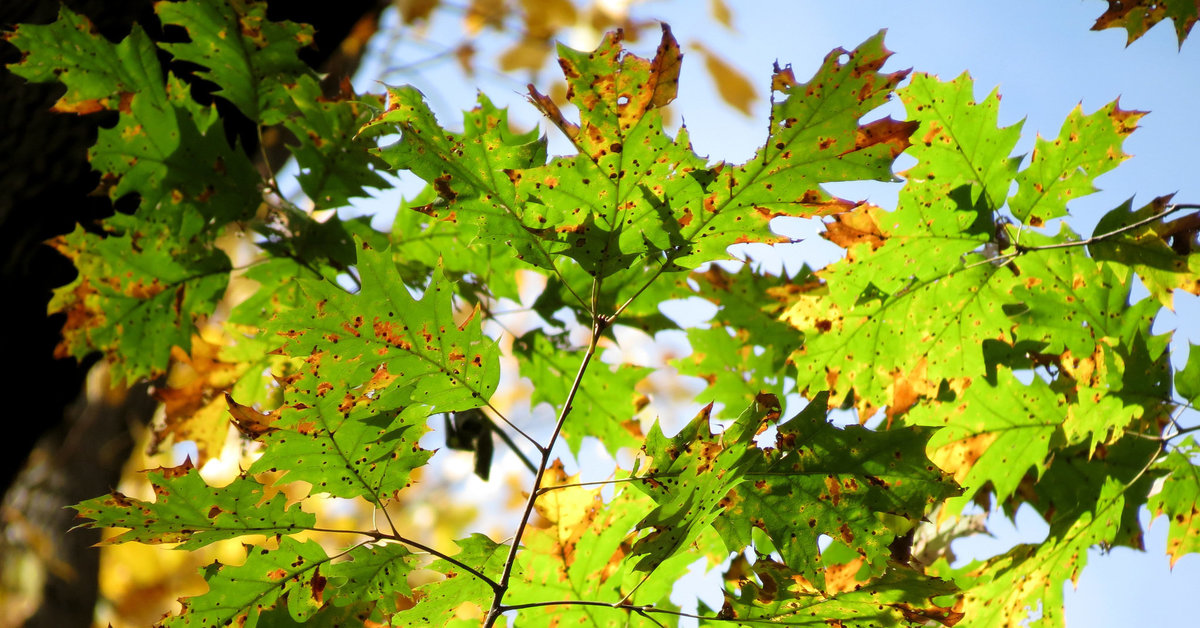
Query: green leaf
{"x": 335, "y": 161}
{"x": 165, "y": 147}
{"x": 607, "y": 402}
{"x": 579, "y": 554}
{"x": 958, "y": 142}
{"x": 421, "y": 242}
{"x": 468, "y": 170}
{"x": 252, "y": 59}
{"x": 1146, "y": 251}
{"x": 98, "y": 75}
{"x": 188, "y": 511}
{"x": 814, "y": 138}
{"x": 1062, "y": 170}
{"x": 376, "y": 573}
{"x": 613, "y": 201}
{"x": 439, "y": 602}
{"x": 1003, "y": 590}
{"x": 745, "y": 351}
{"x": 382, "y": 334}
{"x": 892, "y": 349}
{"x": 994, "y": 433}
{"x": 1187, "y": 379}
{"x": 689, "y": 476}
{"x": 901, "y": 597}
{"x": 137, "y": 295}
{"x": 347, "y": 442}
{"x": 1179, "y": 500}
{"x": 172, "y": 153}
{"x": 1069, "y": 301}
{"x": 1088, "y": 501}
{"x": 241, "y": 593}
{"x": 821, "y": 480}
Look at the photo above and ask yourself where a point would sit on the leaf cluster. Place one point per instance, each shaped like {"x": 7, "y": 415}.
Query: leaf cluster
{"x": 1012, "y": 362}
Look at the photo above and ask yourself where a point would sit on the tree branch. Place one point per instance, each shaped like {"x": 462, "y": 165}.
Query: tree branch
{"x": 599, "y": 324}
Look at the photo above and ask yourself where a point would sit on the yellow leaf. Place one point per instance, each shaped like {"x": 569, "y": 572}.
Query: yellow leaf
{"x": 526, "y": 53}
{"x": 544, "y": 18}
{"x": 483, "y": 13}
{"x": 733, "y": 86}
{"x": 415, "y": 10}
{"x": 720, "y": 13}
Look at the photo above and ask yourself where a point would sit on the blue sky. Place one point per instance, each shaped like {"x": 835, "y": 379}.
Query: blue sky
{"x": 1044, "y": 60}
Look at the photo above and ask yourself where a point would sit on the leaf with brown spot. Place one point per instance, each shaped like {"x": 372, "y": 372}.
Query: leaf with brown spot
{"x": 580, "y": 551}
{"x": 353, "y": 441}
{"x": 188, "y": 511}
{"x": 993, "y": 435}
{"x": 96, "y": 73}
{"x": 699, "y": 469}
{"x": 821, "y": 480}
{"x": 1148, "y": 251}
{"x": 415, "y": 341}
{"x": 476, "y": 168}
{"x": 373, "y": 572}
{"x": 959, "y": 142}
{"x": 777, "y": 594}
{"x": 814, "y": 138}
{"x": 1139, "y": 16}
{"x": 441, "y": 601}
{"x": 1179, "y": 500}
{"x": 109, "y": 309}
{"x": 1063, "y": 169}
{"x": 241, "y": 593}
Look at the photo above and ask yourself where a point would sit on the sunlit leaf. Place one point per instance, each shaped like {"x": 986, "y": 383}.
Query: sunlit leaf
{"x": 244, "y": 591}
{"x": 186, "y": 510}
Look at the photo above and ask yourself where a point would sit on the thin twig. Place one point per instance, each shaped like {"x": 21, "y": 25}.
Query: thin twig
{"x": 1021, "y": 250}
{"x": 380, "y": 536}
{"x": 492, "y": 317}
{"x": 547, "y": 489}
{"x": 509, "y": 441}
{"x": 619, "y": 310}
{"x": 598, "y": 326}
{"x": 647, "y": 609}
{"x": 450, "y": 559}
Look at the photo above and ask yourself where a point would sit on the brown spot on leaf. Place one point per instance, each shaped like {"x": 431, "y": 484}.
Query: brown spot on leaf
{"x": 835, "y": 489}
{"x": 894, "y": 134}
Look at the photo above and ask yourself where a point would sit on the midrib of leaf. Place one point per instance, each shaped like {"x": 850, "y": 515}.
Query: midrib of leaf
{"x": 494, "y": 187}
{"x": 787, "y": 139}
{"x": 347, "y": 462}
{"x": 903, "y": 297}
{"x": 168, "y": 290}
{"x": 967, "y": 159}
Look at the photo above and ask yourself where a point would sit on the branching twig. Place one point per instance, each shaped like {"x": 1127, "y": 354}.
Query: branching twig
{"x": 599, "y": 324}
{"x": 619, "y": 310}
